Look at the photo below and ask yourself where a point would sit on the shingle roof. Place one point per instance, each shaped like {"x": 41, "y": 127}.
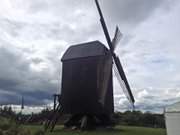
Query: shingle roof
{"x": 89, "y": 49}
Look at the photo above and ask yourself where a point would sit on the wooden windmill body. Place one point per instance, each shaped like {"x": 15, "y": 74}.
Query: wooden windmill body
{"x": 87, "y": 79}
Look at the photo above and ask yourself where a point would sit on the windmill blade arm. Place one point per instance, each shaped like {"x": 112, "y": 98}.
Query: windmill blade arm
{"x": 104, "y": 27}
{"x": 123, "y": 80}
{"x": 116, "y": 59}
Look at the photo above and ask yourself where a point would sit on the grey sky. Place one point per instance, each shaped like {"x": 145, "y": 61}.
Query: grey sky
{"x": 35, "y": 33}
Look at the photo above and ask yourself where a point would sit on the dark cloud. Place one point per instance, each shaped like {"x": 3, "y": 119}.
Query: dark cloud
{"x": 6, "y": 84}
{"x": 12, "y": 64}
{"x": 41, "y": 97}
{"x": 8, "y": 97}
{"x": 127, "y": 13}
{"x": 130, "y": 11}
{"x": 38, "y": 5}
{"x": 17, "y": 79}
{"x": 37, "y": 60}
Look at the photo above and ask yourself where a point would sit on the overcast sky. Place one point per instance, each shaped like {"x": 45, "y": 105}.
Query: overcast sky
{"x": 35, "y": 34}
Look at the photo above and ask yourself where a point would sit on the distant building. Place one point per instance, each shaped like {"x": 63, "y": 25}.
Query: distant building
{"x": 172, "y": 118}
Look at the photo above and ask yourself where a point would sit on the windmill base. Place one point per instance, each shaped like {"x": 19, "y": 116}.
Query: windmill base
{"x": 89, "y": 121}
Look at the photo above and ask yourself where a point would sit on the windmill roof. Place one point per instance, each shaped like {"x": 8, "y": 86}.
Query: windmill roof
{"x": 89, "y": 49}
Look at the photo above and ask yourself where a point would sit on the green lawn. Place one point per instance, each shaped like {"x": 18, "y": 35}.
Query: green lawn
{"x": 118, "y": 130}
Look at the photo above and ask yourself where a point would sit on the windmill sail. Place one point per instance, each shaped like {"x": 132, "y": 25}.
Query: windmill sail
{"x": 123, "y": 80}
{"x": 117, "y": 38}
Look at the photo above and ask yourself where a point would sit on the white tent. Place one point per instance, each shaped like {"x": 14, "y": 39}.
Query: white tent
{"x": 172, "y": 117}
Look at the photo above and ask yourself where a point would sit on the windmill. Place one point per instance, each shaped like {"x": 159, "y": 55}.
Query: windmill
{"x": 87, "y": 83}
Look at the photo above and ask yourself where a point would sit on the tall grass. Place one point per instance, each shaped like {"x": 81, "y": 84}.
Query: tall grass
{"x": 11, "y": 127}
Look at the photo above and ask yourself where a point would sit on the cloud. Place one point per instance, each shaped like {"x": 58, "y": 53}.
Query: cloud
{"x": 129, "y": 11}
{"x": 148, "y": 99}
{"x": 152, "y": 53}
{"x": 18, "y": 78}
{"x": 35, "y": 34}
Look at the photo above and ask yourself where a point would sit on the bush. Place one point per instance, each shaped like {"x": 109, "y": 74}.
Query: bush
{"x": 39, "y": 132}
{"x": 10, "y": 127}
{"x": 5, "y": 124}
{"x": 1, "y": 132}
{"x": 24, "y": 132}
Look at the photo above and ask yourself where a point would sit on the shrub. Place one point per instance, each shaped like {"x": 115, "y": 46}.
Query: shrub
{"x": 1, "y": 132}
{"x": 5, "y": 124}
{"x": 39, "y": 132}
{"x": 24, "y": 132}
{"x": 10, "y": 127}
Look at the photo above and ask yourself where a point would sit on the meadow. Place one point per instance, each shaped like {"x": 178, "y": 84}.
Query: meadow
{"x": 118, "y": 130}
{"x": 10, "y": 127}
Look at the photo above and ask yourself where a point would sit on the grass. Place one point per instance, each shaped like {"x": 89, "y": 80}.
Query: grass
{"x": 8, "y": 127}
{"x": 118, "y": 130}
